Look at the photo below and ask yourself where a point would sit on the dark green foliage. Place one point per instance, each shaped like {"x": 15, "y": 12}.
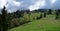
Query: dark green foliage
{"x": 58, "y": 11}
{"x": 45, "y": 14}
{"x": 33, "y": 18}
{"x": 38, "y": 18}
{"x": 4, "y": 19}
{"x": 41, "y": 15}
{"x": 18, "y": 14}
{"x": 27, "y": 11}
{"x": 57, "y": 14}
{"x": 0, "y": 23}
{"x": 49, "y": 11}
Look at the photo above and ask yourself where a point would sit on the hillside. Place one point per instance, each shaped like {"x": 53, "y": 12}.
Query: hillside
{"x": 45, "y": 24}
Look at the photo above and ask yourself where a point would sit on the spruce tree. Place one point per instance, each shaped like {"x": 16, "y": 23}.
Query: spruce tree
{"x": 4, "y": 19}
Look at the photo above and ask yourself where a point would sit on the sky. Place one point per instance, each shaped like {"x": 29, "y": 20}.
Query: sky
{"x": 13, "y": 5}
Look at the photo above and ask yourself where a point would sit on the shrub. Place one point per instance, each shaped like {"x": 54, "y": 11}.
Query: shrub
{"x": 26, "y": 17}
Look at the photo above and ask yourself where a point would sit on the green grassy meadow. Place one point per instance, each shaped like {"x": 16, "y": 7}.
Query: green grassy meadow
{"x": 48, "y": 23}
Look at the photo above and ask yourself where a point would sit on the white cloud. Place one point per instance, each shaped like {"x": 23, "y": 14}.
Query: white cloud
{"x": 53, "y": 1}
{"x": 38, "y": 4}
{"x": 14, "y": 3}
{"x": 9, "y": 11}
{"x": 2, "y": 3}
{"x": 11, "y": 2}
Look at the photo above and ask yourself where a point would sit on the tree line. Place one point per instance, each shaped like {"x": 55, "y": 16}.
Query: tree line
{"x": 10, "y": 20}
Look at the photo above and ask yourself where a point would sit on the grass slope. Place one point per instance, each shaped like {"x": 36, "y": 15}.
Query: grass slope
{"x": 45, "y": 24}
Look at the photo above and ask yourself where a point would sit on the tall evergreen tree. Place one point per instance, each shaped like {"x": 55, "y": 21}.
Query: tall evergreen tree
{"x": 0, "y": 23}
{"x": 4, "y": 19}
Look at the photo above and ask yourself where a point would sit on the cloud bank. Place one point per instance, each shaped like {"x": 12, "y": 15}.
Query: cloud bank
{"x": 38, "y": 4}
{"x": 13, "y": 5}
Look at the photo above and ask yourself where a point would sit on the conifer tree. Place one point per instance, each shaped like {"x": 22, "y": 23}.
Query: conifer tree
{"x": 4, "y": 19}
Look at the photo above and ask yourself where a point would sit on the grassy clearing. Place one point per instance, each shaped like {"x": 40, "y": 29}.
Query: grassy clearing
{"x": 45, "y": 24}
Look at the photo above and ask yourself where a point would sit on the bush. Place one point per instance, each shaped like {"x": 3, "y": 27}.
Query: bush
{"x": 26, "y": 17}
{"x": 41, "y": 15}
